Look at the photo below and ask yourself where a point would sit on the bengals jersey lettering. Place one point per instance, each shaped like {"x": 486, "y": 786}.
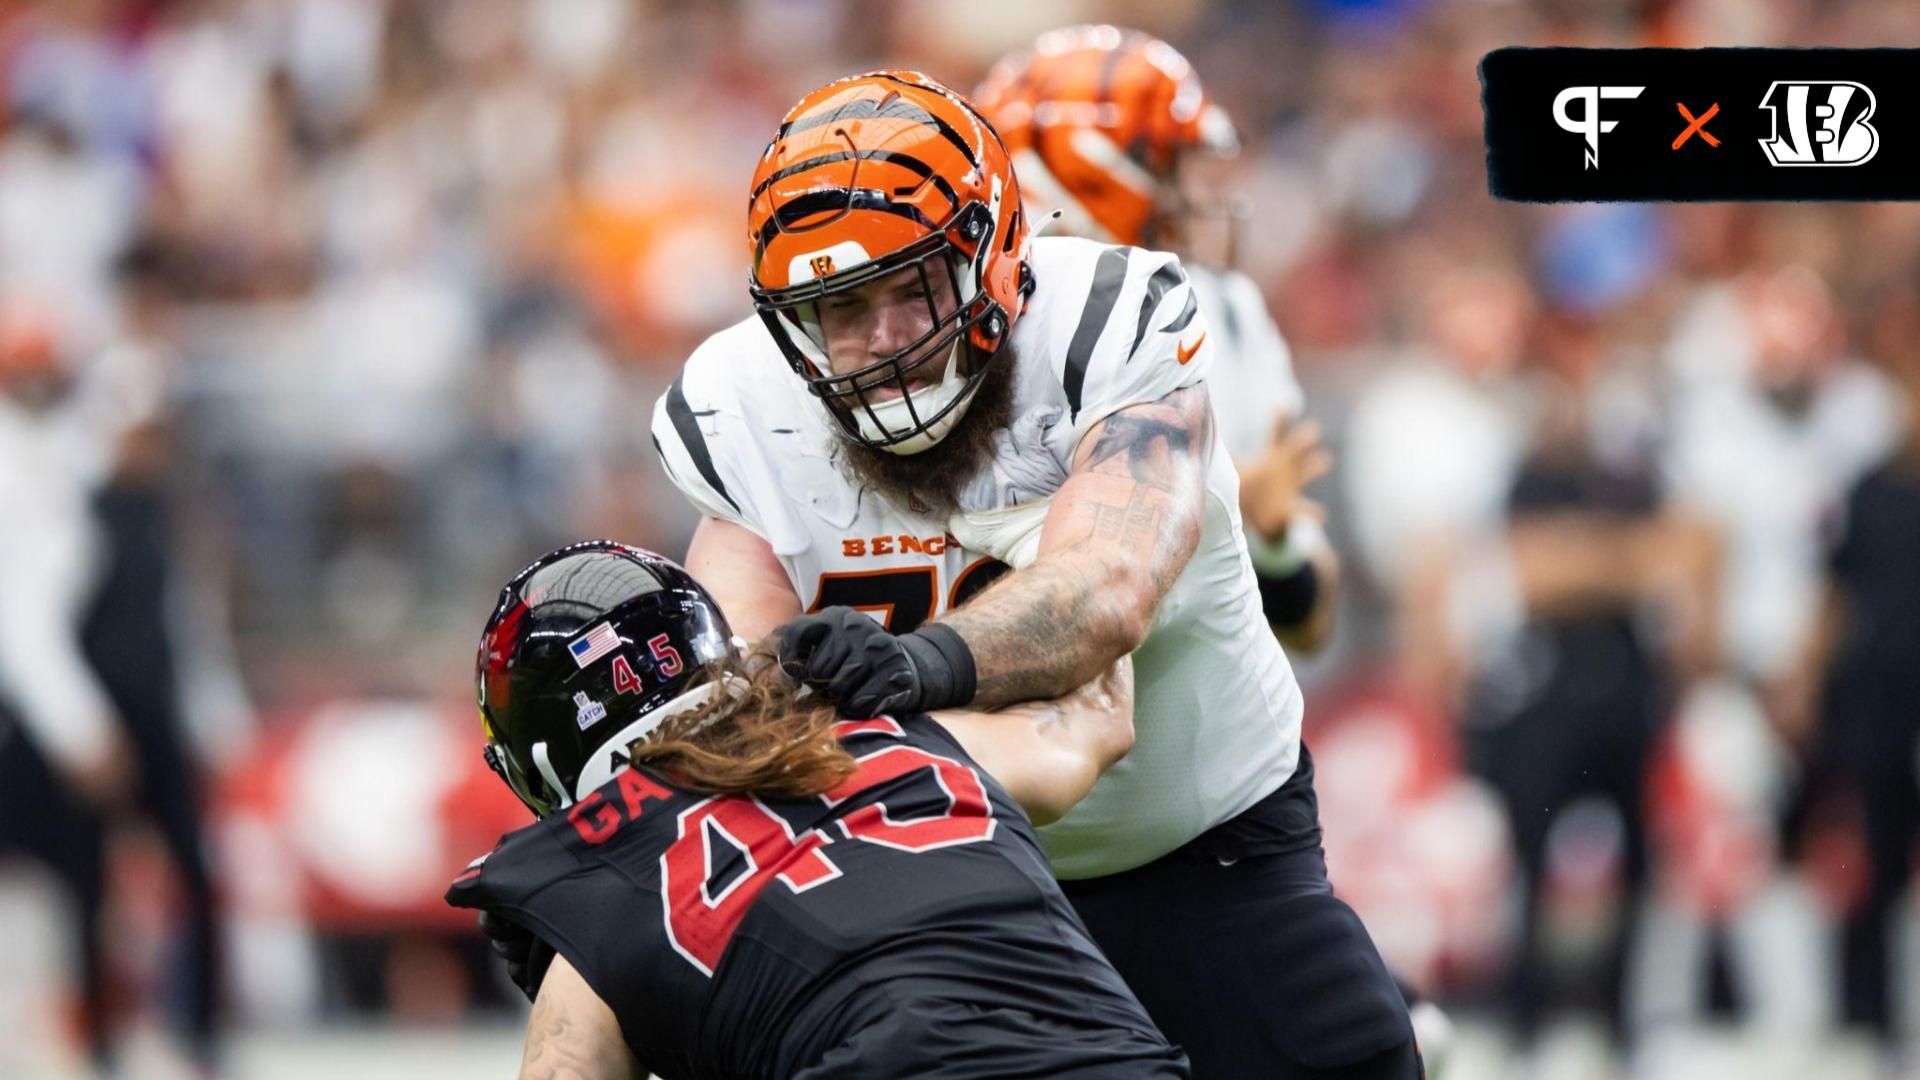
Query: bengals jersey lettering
{"x": 903, "y": 924}
{"x": 1217, "y": 707}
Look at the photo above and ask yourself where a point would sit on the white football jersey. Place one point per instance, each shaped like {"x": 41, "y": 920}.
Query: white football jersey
{"x": 1217, "y": 710}
{"x": 1252, "y": 382}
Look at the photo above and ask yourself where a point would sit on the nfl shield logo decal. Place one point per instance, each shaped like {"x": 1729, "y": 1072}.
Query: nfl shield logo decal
{"x": 589, "y": 712}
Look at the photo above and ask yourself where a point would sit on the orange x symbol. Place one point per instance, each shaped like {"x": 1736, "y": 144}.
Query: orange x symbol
{"x": 1697, "y": 125}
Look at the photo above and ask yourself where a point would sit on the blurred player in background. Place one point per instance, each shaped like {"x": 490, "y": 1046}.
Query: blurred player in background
{"x": 739, "y": 884}
{"x": 86, "y": 675}
{"x": 1530, "y": 564}
{"x": 129, "y": 632}
{"x": 1568, "y": 705}
{"x": 980, "y": 399}
{"x": 1865, "y": 653}
{"x": 1112, "y": 129}
{"x": 1765, "y": 423}
{"x": 64, "y": 762}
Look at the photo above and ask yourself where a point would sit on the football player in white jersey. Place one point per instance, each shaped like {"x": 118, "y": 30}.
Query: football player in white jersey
{"x": 929, "y": 395}
{"x": 1112, "y": 129}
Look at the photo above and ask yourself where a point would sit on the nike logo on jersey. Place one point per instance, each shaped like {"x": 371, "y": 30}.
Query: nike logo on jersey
{"x": 1184, "y": 353}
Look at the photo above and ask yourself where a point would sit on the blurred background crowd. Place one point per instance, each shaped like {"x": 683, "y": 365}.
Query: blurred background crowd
{"x": 319, "y": 317}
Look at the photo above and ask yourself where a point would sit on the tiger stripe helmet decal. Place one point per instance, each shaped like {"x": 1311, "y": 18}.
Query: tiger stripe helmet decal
{"x": 867, "y": 176}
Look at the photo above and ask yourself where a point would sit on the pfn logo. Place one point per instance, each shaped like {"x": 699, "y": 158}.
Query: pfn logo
{"x": 1589, "y": 124}
{"x": 1826, "y": 124}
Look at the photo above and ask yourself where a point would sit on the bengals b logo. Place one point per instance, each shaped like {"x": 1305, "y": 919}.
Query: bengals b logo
{"x": 1820, "y": 123}
{"x": 822, "y": 265}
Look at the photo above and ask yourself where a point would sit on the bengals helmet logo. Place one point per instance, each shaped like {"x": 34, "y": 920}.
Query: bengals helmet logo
{"x": 1820, "y": 123}
{"x": 822, "y": 265}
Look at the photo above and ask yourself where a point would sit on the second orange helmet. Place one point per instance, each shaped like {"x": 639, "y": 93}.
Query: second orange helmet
{"x": 1096, "y": 118}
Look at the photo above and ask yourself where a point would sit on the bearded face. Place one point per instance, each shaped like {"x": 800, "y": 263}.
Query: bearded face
{"x": 938, "y": 474}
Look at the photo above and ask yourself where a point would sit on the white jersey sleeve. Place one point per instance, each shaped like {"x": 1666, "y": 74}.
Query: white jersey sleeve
{"x": 1139, "y": 333}
{"x": 49, "y": 552}
{"x": 683, "y": 432}
{"x": 740, "y": 436}
{"x": 1252, "y": 380}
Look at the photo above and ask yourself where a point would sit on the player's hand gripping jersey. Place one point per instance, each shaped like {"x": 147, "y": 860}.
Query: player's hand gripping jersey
{"x": 1106, "y": 327}
{"x": 832, "y": 936}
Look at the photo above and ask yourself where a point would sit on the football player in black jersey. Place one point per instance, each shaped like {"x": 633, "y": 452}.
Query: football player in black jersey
{"x": 739, "y": 883}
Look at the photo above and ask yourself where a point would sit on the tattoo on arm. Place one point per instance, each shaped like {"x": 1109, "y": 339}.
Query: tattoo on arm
{"x": 1045, "y": 717}
{"x": 1133, "y": 526}
{"x": 1135, "y": 498}
{"x": 1145, "y": 443}
{"x": 561, "y": 1048}
{"x": 1150, "y": 442}
{"x": 547, "y": 1056}
{"x": 1017, "y": 628}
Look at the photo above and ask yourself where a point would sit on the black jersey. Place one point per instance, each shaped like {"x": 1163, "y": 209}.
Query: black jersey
{"x": 904, "y": 924}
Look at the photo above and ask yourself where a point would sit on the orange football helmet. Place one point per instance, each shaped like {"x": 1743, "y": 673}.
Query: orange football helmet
{"x": 866, "y": 177}
{"x": 1097, "y": 118}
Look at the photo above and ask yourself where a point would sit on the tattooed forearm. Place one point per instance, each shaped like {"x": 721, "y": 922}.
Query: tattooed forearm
{"x": 563, "y": 1045}
{"x": 1103, "y": 702}
{"x": 1139, "y": 527}
{"x": 1135, "y": 524}
{"x": 1033, "y": 631}
{"x": 549, "y": 1055}
{"x": 1120, "y": 531}
{"x": 1045, "y": 717}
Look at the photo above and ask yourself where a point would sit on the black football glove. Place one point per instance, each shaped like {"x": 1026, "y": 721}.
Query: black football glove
{"x": 527, "y": 957}
{"x": 867, "y": 671}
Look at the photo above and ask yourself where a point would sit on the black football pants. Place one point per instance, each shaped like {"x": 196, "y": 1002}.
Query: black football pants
{"x": 41, "y": 818}
{"x": 1252, "y": 966}
{"x": 1881, "y": 773}
{"x": 126, "y": 639}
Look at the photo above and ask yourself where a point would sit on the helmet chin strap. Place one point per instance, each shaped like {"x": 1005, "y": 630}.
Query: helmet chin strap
{"x": 542, "y": 762}
{"x": 883, "y": 420}
{"x": 1047, "y": 221}
{"x": 610, "y": 756}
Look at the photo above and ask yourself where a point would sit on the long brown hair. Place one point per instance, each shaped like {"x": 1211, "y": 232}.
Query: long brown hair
{"x": 759, "y": 737}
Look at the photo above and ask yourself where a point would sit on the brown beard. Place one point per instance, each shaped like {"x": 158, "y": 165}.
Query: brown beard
{"x": 936, "y": 475}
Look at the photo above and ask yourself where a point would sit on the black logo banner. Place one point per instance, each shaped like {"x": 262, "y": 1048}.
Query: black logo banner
{"x": 1607, "y": 125}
